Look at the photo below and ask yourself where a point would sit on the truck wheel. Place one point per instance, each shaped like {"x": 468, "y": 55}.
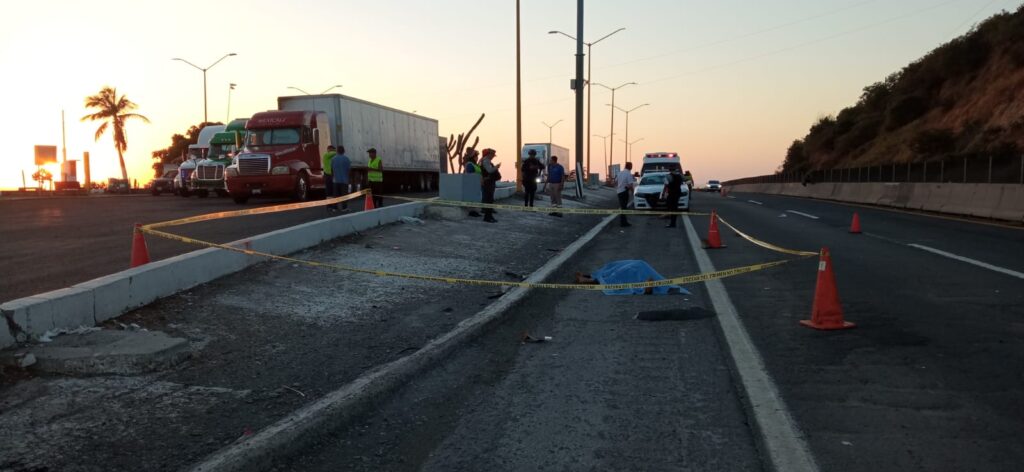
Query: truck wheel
{"x": 203, "y": 193}
{"x": 301, "y": 192}
{"x": 222, "y": 193}
{"x": 240, "y": 199}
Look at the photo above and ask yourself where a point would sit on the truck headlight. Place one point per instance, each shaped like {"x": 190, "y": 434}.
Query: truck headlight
{"x": 280, "y": 170}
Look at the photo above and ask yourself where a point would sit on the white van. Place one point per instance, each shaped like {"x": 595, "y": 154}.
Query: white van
{"x": 660, "y": 162}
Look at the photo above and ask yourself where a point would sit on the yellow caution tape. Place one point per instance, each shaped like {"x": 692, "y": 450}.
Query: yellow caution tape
{"x": 571, "y": 211}
{"x": 767, "y": 245}
{"x": 688, "y": 279}
{"x": 255, "y": 211}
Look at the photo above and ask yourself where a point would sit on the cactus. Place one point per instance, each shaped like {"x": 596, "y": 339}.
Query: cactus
{"x": 456, "y": 147}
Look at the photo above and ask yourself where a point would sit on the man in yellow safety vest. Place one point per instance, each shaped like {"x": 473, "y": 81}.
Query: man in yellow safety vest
{"x": 376, "y": 177}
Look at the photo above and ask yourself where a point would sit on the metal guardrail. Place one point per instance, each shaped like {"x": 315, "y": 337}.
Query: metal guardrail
{"x": 971, "y": 170}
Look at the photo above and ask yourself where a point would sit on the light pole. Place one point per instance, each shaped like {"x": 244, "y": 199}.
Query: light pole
{"x": 611, "y": 153}
{"x": 551, "y": 127}
{"x": 519, "y": 107}
{"x": 627, "y": 112}
{"x": 204, "y": 76}
{"x": 230, "y": 88}
{"x": 604, "y": 145}
{"x": 629, "y": 147}
{"x": 590, "y": 58}
{"x": 328, "y": 89}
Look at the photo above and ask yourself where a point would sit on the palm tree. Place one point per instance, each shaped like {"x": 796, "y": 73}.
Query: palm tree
{"x": 113, "y": 110}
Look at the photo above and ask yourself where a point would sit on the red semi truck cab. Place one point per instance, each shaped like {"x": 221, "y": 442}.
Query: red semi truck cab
{"x": 280, "y": 156}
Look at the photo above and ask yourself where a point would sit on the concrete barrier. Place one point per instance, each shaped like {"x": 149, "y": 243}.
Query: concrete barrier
{"x": 998, "y": 201}
{"x": 101, "y": 299}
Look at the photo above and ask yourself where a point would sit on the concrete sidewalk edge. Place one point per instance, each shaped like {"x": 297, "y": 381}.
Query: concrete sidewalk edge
{"x": 291, "y": 432}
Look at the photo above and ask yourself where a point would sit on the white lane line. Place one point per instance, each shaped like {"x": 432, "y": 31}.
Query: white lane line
{"x": 968, "y": 260}
{"x": 755, "y": 202}
{"x": 779, "y": 435}
{"x": 802, "y": 214}
{"x": 732, "y": 197}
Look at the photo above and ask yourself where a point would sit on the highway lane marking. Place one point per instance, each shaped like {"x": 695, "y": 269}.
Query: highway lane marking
{"x": 784, "y": 443}
{"x": 968, "y": 260}
{"x": 755, "y": 202}
{"x": 732, "y": 197}
{"x": 802, "y": 214}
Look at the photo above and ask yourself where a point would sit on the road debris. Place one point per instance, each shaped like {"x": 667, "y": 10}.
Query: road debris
{"x": 527, "y": 338}
{"x": 303, "y": 395}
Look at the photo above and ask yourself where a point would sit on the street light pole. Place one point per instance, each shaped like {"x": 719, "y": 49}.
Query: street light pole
{"x": 629, "y": 147}
{"x": 627, "y": 112}
{"x": 611, "y": 153}
{"x": 551, "y": 127}
{"x": 590, "y": 59}
{"x": 519, "y": 107}
{"x": 328, "y": 89}
{"x": 230, "y": 88}
{"x": 205, "y": 120}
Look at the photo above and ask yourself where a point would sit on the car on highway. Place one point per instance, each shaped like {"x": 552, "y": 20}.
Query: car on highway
{"x": 164, "y": 183}
{"x": 649, "y": 193}
{"x": 713, "y": 186}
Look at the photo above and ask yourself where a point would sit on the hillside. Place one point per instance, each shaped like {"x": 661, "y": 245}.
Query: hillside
{"x": 965, "y": 98}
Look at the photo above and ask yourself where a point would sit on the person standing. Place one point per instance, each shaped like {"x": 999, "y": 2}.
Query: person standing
{"x": 491, "y": 176}
{"x": 472, "y": 167}
{"x": 341, "y": 167}
{"x": 376, "y": 177}
{"x": 556, "y": 180}
{"x": 325, "y": 164}
{"x": 674, "y": 190}
{"x": 531, "y": 167}
{"x": 624, "y": 183}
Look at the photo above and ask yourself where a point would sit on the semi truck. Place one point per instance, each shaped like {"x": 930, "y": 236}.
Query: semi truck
{"x": 209, "y": 173}
{"x": 406, "y": 143}
{"x": 280, "y": 156}
{"x": 196, "y": 152}
{"x": 544, "y": 153}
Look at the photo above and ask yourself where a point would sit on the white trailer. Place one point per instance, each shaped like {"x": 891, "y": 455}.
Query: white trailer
{"x": 407, "y": 143}
{"x": 544, "y": 153}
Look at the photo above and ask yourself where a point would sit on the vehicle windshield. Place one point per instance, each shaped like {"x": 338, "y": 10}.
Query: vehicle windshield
{"x": 220, "y": 151}
{"x": 170, "y": 174}
{"x": 660, "y": 167}
{"x": 271, "y": 137}
{"x": 713, "y": 182}
{"x": 653, "y": 179}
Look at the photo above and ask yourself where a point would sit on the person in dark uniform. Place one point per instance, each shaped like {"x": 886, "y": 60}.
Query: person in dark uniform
{"x": 673, "y": 190}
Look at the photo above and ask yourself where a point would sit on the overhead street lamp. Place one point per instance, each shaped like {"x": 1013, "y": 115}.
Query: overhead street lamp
{"x": 328, "y": 89}
{"x": 589, "y": 59}
{"x": 627, "y": 112}
{"x": 611, "y": 153}
{"x": 204, "y": 76}
{"x": 629, "y": 147}
{"x": 551, "y": 127}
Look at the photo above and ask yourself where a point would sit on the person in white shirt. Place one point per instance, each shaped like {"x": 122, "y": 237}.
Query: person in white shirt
{"x": 624, "y": 183}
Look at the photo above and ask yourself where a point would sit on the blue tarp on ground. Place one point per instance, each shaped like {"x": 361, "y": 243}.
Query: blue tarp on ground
{"x": 627, "y": 272}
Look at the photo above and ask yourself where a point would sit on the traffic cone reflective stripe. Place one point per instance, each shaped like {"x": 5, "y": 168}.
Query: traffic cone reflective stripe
{"x": 368, "y": 205}
{"x": 855, "y": 224}
{"x": 714, "y": 240}
{"x": 140, "y": 253}
{"x": 826, "y": 311}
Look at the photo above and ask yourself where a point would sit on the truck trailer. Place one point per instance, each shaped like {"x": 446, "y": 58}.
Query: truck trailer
{"x": 544, "y": 153}
{"x": 407, "y": 143}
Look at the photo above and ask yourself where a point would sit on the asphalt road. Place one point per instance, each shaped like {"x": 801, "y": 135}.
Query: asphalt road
{"x": 51, "y": 243}
{"x": 931, "y": 377}
{"x": 609, "y": 392}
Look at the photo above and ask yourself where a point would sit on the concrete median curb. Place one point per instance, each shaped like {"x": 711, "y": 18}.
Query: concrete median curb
{"x": 334, "y": 408}
{"x": 95, "y": 301}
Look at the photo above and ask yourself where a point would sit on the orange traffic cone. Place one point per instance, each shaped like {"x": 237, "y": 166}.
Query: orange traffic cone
{"x": 368, "y": 205}
{"x": 826, "y": 312}
{"x": 140, "y": 253}
{"x": 714, "y": 240}
{"x": 855, "y": 224}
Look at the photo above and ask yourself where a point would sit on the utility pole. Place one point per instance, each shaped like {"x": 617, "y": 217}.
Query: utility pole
{"x": 579, "y": 99}
{"x": 519, "y": 107}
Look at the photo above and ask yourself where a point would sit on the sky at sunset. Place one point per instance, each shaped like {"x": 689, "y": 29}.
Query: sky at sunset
{"x": 730, "y": 83}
